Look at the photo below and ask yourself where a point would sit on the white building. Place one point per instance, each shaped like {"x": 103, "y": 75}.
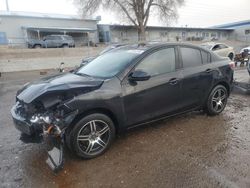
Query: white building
{"x": 128, "y": 33}
{"x": 17, "y": 27}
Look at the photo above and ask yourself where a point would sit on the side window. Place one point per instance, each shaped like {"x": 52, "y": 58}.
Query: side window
{"x": 48, "y": 38}
{"x": 162, "y": 61}
{"x": 190, "y": 57}
{"x": 216, "y": 47}
{"x": 222, "y": 46}
{"x": 56, "y": 38}
{"x": 206, "y": 57}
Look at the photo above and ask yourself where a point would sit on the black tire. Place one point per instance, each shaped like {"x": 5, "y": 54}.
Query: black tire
{"x": 37, "y": 46}
{"x": 65, "y": 46}
{"x": 89, "y": 144}
{"x": 231, "y": 56}
{"x": 217, "y": 100}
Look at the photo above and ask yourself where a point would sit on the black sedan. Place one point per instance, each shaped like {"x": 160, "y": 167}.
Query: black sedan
{"x": 127, "y": 87}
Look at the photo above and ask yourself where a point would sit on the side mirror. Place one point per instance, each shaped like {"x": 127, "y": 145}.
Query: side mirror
{"x": 139, "y": 76}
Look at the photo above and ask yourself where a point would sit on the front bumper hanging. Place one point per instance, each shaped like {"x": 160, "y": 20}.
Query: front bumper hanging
{"x": 51, "y": 133}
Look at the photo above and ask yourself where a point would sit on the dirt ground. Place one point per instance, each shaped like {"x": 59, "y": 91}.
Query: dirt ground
{"x": 192, "y": 150}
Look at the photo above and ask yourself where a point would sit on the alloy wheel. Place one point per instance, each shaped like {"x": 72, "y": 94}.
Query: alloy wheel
{"x": 93, "y": 137}
{"x": 219, "y": 100}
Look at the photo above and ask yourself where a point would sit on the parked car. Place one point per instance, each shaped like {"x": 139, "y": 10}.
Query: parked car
{"x": 52, "y": 41}
{"x": 220, "y": 49}
{"x": 130, "y": 86}
{"x": 85, "y": 61}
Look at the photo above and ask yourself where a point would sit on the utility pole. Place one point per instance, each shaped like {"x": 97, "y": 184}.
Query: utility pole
{"x": 7, "y": 5}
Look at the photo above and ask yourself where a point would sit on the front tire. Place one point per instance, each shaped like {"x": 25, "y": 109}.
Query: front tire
{"x": 92, "y": 135}
{"x": 231, "y": 56}
{"x": 37, "y": 46}
{"x": 217, "y": 100}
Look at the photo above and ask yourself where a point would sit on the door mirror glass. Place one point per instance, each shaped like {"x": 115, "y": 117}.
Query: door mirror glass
{"x": 139, "y": 76}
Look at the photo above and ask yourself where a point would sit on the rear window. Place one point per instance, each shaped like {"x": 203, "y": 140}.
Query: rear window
{"x": 190, "y": 57}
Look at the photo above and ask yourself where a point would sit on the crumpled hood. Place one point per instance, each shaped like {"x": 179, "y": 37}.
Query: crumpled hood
{"x": 55, "y": 83}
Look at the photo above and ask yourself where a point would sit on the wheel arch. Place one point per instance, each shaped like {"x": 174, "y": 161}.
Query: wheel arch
{"x": 104, "y": 111}
{"x": 225, "y": 84}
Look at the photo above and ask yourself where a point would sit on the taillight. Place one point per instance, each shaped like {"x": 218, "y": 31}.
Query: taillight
{"x": 232, "y": 65}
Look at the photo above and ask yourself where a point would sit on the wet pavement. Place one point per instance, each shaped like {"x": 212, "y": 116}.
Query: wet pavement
{"x": 192, "y": 150}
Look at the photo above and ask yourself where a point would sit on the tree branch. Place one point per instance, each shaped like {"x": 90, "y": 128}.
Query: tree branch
{"x": 126, "y": 12}
{"x": 146, "y": 14}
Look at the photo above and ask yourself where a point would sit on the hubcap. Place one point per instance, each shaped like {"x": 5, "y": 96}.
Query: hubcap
{"x": 219, "y": 100}
{"x": 93, "y": 137}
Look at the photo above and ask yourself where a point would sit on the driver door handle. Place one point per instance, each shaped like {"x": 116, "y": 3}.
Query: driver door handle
{"x": 173, "y": 81}
{"x": 209, "y": 70}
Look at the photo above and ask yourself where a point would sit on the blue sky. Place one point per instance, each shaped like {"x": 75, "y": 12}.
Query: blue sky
{"x": 195, "y": 13}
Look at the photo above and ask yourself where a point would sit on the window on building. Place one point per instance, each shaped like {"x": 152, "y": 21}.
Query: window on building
{"x": 213, "y": 34}
{"x": 190, "y": 57}
{"x": 247, "y": 31}
{"x": 207, "y": 34}
{"x": 123, "y": 34}
{"x": 163, "y": 33}
{"x": 3, "y": 38}
{"x": 160, "y": 62}
{"x": 224, "y": 34}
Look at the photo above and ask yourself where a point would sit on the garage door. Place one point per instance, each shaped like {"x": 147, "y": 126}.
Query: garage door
{"x": 3, "y": 39}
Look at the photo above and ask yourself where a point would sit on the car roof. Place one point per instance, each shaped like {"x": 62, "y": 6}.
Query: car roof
{"x": 213, "y": 43}
{"x": 151, "y": 45}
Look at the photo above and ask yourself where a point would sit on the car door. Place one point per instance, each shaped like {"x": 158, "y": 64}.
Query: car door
{"x": 144, "y": 100}
{"x": 48, "y": 41}
{"x": 197, "y": 77}
{"x": 57, "y": 41}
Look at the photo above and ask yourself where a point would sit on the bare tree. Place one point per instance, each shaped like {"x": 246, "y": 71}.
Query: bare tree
{"x": 136, "y": 11}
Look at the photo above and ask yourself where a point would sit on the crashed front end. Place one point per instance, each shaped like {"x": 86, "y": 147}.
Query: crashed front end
{"x": 37, "y": 122}
{"x": 41, "y": 111}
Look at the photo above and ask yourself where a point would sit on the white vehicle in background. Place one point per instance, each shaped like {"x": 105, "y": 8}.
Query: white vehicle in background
{"x": 220, "y": 49}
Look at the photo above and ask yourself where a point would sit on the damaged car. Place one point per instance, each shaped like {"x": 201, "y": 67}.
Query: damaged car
{"x": 130, "y": 86}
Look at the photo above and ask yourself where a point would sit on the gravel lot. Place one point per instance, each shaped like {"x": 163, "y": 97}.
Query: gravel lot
{"x": 191, "y": 150}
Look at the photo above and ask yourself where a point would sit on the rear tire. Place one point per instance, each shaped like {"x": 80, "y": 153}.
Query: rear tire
{"x": 65, "y": 46}
{"x": 217, "y": 100}
{"x": 92, "y": 136}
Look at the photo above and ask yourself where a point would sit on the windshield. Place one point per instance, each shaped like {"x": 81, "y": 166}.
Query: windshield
{"x": 109, "y": 64}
